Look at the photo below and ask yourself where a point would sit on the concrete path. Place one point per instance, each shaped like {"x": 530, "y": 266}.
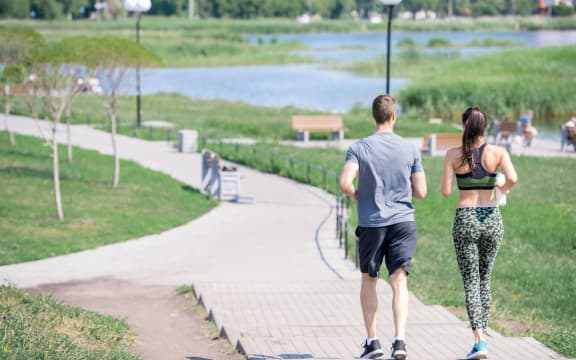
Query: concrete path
{"x": 269, "y": 271}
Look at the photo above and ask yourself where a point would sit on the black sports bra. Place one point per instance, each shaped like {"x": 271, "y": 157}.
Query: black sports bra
{"x": 479, "y": 178}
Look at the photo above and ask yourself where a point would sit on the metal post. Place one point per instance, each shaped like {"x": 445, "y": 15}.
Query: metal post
{"x": 190, "y": 9}
{"x": 346, "y": 239}
{"x": 138, "y": 100}
{"x": 390, "y": 7}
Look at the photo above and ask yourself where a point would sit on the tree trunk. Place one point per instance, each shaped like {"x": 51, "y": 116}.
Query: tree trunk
{"x": 115, "y": 150}
{"x": 69, "y": 133}
{"x": 56, "y": 175}
{"x": 7, "y": 113}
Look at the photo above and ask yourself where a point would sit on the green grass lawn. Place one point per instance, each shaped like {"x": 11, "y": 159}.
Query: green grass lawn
{"x": 146, "y": 202}
{"x": 219, "y": 118}
{"x": 39, "y": 327}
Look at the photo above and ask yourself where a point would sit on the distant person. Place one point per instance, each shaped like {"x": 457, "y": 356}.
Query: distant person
{"x": 564, "y": 132}
{"x": 525, "y": 128}
{"x": 390, "y": 174}
{"x": 478, "y": 230}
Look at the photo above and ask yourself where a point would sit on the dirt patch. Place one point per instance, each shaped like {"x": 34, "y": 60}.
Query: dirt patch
{"x": 169, "y": 325}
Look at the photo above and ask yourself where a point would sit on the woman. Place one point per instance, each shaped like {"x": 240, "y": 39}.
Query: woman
{"x": 478, "y": 228}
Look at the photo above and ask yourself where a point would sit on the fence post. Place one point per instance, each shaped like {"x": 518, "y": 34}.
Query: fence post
{"x": 345, "y": 238}
{"x": 308, "y": 172}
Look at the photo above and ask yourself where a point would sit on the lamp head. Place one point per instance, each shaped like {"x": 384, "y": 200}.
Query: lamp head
{"x": 137, "y": 5}
{"x": 390, "y": 2}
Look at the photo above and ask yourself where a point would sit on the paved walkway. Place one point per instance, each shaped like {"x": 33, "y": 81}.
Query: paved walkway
{"x": 269, "y": 272}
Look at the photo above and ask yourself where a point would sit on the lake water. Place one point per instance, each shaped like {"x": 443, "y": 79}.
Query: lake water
{"x": 313, "y": 86}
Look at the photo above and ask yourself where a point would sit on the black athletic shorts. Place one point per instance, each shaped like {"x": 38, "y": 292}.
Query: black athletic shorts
{"x": 395, "y": 243}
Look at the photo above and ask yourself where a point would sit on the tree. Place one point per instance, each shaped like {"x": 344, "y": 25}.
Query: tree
{"x": 111, "y": 58}
{"x": 46, "y": 9}
{"x": 14, "y": 45}
{"x": 71, "y": 7}
{"x": 54, "y": 68}
{"x": 19, "y": 9}
{"x": 168, "y": 7}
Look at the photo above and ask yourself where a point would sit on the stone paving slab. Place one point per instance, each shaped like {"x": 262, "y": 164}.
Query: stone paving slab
{"x": 322, "y": 320}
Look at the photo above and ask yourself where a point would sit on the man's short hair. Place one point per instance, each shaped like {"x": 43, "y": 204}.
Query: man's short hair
{"x": 383, "y": 107}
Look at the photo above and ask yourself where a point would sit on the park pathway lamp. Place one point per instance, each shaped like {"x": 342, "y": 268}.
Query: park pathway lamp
{"x": 390, "y": 5}
{"x": 138, "y": 7}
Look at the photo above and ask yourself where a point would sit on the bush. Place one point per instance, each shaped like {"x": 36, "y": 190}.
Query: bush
{"x": 438, "y": 42}
{"x": 563, "y": 10}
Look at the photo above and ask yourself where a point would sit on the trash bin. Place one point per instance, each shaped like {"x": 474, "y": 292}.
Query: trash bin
{"x": 187, "y": 140}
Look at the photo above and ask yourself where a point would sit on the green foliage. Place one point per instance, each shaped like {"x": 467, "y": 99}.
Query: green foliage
{"x": 18, "y": 9}
{"x": 563, "y": 10}
{"x": 146, "y": 202}
{"x": 438, "y": 42}
{"x": 168, "y": 7}
{"x": 39, "y": 327}
{"x": 47, "y": 9}
{"x": 406, "y": 42}
{"x": 505, "y": 83}
{"x": 16, "y": 42}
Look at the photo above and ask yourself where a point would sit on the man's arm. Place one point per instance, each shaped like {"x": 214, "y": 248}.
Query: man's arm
{"x": 349, "y": 172}
{"x": 419, "y": 186}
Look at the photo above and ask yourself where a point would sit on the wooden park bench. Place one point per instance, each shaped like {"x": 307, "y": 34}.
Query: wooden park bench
{"x": 304, "y": 124}
{"x": 507, "y": 130}
{"x": 434, "y": 144}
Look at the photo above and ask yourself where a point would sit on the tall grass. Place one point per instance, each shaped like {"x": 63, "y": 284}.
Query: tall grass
{"x": 39, "y": 327}
{"x": 509, "y": 82}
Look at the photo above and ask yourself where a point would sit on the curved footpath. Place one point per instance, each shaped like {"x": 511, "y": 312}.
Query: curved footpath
{"x": 269, "y": 271}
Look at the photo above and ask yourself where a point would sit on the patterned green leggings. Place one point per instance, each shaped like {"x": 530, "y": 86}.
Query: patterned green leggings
{"x": 477, "y": 234}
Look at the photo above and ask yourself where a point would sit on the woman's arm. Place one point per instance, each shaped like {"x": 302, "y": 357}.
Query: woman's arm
{"x": 448, "y": 176}
{"x": 507, "y": 167}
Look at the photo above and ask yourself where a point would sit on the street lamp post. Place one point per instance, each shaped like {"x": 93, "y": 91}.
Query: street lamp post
{"x": 138, "y": 7}
{"x": 390, "y": 4}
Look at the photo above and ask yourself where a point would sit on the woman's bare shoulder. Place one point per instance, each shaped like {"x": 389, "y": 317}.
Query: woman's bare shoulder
{"x": 454, "y": 152}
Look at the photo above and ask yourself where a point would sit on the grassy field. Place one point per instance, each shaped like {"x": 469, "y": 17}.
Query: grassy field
{"x": 146, "y": 202}
{"x": 38, "y": 327}
{"x": 218, "y": 118}
{"x": 534, "y": 281}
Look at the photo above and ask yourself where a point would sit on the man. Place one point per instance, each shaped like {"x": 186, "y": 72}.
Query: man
{"x": 390, "y": 174}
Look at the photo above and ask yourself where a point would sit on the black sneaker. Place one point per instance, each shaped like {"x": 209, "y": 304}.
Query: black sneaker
{"x": 399, "y": 350}
{"x": 371, "y": 351}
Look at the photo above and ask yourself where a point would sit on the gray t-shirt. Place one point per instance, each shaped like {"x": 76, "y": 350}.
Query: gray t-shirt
{"x": 386, "y": 163}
